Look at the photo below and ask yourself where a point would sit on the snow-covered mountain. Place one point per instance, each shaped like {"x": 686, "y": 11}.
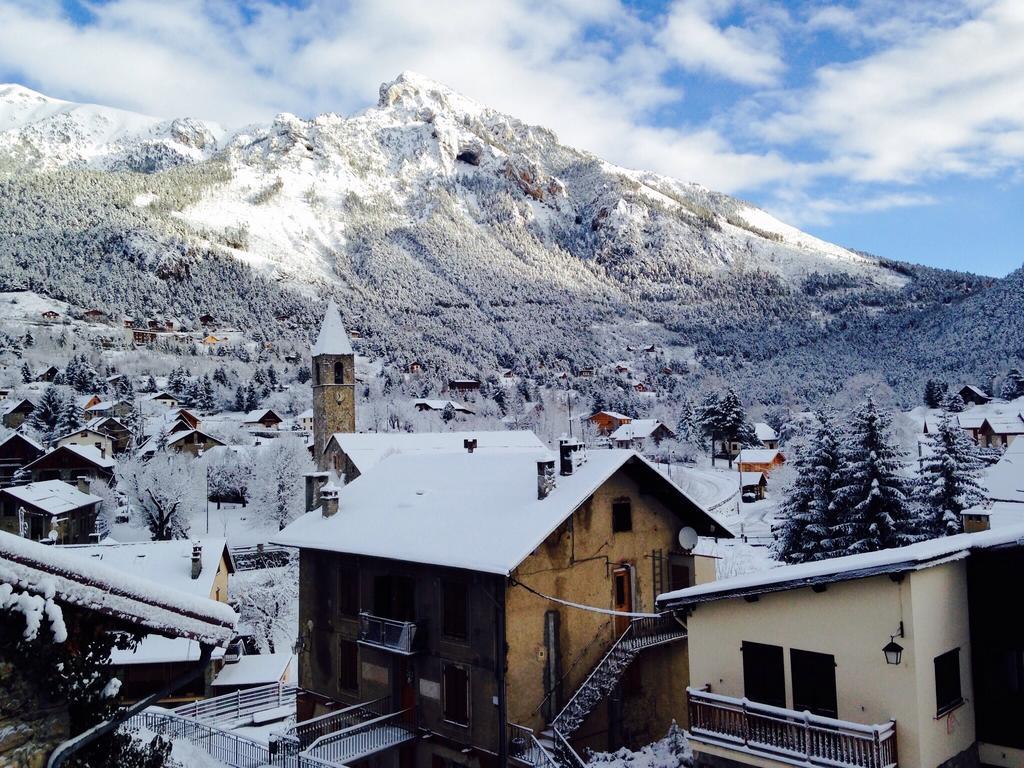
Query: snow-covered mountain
{"x": 448, "y": 231}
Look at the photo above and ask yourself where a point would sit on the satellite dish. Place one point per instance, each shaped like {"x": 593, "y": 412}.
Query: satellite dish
{"x": 687, "y": 538}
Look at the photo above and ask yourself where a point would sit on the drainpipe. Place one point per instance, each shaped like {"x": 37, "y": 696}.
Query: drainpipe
{"x": 84, "y": 739}
{"x": 500, "y": 670}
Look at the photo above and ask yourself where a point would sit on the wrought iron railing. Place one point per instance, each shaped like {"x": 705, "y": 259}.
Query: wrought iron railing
{"x": 784, "y": 733}
{"x": 405, "y": 637}
{"x": 231, "y": 707}
{"x": 366, "y": 738}
{"x": 310, "y": 730}
{"x": 524, "y": 746}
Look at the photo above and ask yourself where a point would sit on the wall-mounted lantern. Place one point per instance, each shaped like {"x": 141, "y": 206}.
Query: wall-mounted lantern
{"x": 894, "y": 651}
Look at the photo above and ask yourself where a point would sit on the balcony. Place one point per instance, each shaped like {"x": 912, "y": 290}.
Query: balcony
{"x": 404, "y": 637}
{"x": 789, "y": 736}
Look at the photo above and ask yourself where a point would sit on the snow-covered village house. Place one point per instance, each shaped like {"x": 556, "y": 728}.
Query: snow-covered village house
{"x": 638, "y": 431}
{"x": 759, "y": 460}
{"x": 972, "y": 395}
{"x": 199, "y": 568}
{"x": 999, "y": 431}
{"x": 50, "y": 511}
{"x": 87, "y": 436}
{"x": 606, "y": 422}
{"x": 16, "y": 451}
{"x": 193, "y": 442}
{"x": 76, "y": 598}
{"x": 16, "y": 411}
{"x": 766, "y": 434}
{"x": 478, "y": 588}
{"x": 909, "y": 656}
{"x": 71, "y": 462}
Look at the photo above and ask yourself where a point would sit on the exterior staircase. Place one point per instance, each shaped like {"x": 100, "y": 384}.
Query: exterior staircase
{"x": 551, "y": 748}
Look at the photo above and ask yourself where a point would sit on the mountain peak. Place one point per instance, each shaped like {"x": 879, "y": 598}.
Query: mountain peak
{"x": 412, "y": 90}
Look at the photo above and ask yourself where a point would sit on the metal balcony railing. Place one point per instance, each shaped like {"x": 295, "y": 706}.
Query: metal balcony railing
{"x": 405, "y": 637}
{"x": 788, "y": 735}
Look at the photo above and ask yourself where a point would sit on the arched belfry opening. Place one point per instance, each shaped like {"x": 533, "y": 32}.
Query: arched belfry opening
{"x": 339, "y": 372}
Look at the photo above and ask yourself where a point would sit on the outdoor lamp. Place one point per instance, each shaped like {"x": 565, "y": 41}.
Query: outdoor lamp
{"x": 894, "y": 651}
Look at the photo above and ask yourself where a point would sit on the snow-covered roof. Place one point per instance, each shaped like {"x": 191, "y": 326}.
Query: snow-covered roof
{"x": 440, "y": 405}
{"x": 177, "y": 437}
{"x": 367, "y": 449}
{"x": 751, "y": 478}
{"x": 913, "y": 557}
{"x": 638, "y": 429}
{"x": 54, "y": 497}
{"x": 757, "y": 455}
{"x": 156, "y": 649}
{"x": 975, "y": 390}
{"x": 257, "y": 669}
{"x": 259, "y": 415}
{"x": 89, "y": 453}
{"x": 1004, "y": 480}
{"x": 26, "y": 438}
{"x": 764, "y": 432}
{"x": 166, "y": 562}
{"x": 613, "y": 414}
{"x": 476, "y": 511}
{"x": 306, "y": 414}
{"x": 74, "y": 580}
{"x": 13, "y": 405}
{"x": 1006, "y": 425}
{"x": 333, "y": 338}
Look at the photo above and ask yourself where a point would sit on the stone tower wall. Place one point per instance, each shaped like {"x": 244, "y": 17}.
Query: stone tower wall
{"x": 334, "y": 402}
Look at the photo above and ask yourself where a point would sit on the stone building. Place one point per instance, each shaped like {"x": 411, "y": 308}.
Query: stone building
{"x": 334, "y": 378}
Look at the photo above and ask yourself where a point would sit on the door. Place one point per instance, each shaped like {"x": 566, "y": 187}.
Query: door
{"x": 814, "y": 682}
{"x": 622, "y": 600}
{"x": 404, "y": 684}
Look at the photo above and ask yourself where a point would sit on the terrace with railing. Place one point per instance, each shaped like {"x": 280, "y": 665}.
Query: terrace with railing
{"x": 787, "y": 735}
{"x": 404, "y": 637}
{"x": 242, "y": 706}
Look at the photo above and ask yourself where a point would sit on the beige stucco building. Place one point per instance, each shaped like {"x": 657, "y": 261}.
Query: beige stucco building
{"x": 789, "y": 666}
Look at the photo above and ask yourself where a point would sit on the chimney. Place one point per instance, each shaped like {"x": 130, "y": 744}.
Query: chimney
{"x": 83, "y": 483}
{"x": 570, "y": 455}
{"x": 469, "y": 444}
{"x": 329, "y": 499}
{"x": 545, "y": 477}
{"x": 197, "y": 559}
{"x": 103, "y": 452}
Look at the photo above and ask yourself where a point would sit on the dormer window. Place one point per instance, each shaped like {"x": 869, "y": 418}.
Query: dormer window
{"x": 622, "y": 515}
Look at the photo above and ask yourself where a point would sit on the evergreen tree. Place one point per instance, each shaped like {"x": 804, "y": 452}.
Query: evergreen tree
{"x": 150, "y": 384}
{"x": 303, "y": 375}
{"x": 272, "y": 377}
{"x": 239, "y": 403}
{"x": 252, "y": 398}
{"x": 955, "y": 403}
{"x": 873, "y": 502}
{"x": 934, "y": 393}
{"x": 26, "y": 373}
{"x": 1013, "y": 385}
{"x": 45, "y": 415}
{"x": 809, "y": 513}
{"x": 448, "y": 414}
{"x": 29, "y": 340}
{"x": 949, "y": 478}
{"x": 206, "y": 399}
{"x": 69, "y": 419}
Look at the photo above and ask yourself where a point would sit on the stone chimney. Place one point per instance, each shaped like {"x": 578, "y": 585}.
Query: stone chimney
{"x": 83, "y": 483}
{"x": 329, "y": 499}
{"x": 469, "y": 444}
{"x": 545, "y": 477}
{"x": 571, "y": 454}
{"x": 197, "y": 559}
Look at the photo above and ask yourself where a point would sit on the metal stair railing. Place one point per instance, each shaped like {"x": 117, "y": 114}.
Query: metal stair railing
{"x": 241, "y": 703}
{"x": 365, "y": 739}
{"x": 310, "y": 730}
{"x": 524, "y": 746}
{"x": 641, "y": 633}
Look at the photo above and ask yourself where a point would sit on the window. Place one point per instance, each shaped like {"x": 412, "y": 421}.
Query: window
{"x": 947, "y": 682}
{"x": 455, "y": 694}
{"x": 394, "y": 597}
{"x": 678, "y": 574}
{"x": 454, "y": 610}
{"x": 622, "y": 516}
{"x": 348, "y": 665}
{"x": 814, "y": 682}
{"x": 764, "y": 676}
{"x": 348, "y": 591}
{"x": 339, "y": 372}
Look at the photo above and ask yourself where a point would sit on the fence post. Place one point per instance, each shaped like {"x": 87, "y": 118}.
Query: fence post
{"x": 877, "y": 749}
{"x": 807, "y": 735}
{"x": 746, "y": 722}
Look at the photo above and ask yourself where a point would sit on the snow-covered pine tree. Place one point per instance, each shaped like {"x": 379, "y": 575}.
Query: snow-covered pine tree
{"x": 26, "y": 373}
{"x": 278, "y": 479}
{"x": 45, "y": 415}
{"x": 934, "y": 393}
{"x": 239, "y": 403}
{"x": 872, "y": 504}
{"x": 949, "y": 478}
{"x": 1013, "y": 385}
{"x": 955, "y": 403}
{"x": 69, "y": 419}
{"x": 808, "y": 512}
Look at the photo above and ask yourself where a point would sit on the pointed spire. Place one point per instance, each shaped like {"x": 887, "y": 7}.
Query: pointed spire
{"x": 333, "y": 338}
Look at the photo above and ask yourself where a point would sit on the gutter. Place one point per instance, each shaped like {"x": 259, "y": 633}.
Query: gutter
{"x": 70, "y": 747}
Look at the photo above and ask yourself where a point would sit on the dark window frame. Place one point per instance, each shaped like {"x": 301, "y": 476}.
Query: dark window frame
{"x": 348, "y": 591}
{"x": 948, "y": 682}
{"x": 809, "y": 688}
{"x": 622, "y": 515}
{"x": 448, "y": 632}
{"x": 348, "y": 677}
{"x": 770, "y": 677}
{"x": 446, "y": 714}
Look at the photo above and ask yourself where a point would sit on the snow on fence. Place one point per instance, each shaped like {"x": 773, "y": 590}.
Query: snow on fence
{"x": 788, "y": 734}
{"x": 310, "y": 730}
{"x": 232, "y": 707}
{"x": 366, "y": 738}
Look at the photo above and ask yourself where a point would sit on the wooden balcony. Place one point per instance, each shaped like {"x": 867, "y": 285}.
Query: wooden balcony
{"x": 787, "y": 735}
{"x": 403, "y": 637}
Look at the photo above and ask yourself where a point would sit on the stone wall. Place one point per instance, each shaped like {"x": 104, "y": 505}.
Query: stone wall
{"x": 30, "y": 727}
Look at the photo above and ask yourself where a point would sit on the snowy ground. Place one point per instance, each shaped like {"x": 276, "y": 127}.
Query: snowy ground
{"x": 673, "y": 751}
{"x": 238, "y": 524}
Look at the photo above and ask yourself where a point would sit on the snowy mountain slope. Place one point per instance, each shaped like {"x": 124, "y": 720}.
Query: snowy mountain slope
{"x": 41, "y": 132}
{"x": 449, "y": 233}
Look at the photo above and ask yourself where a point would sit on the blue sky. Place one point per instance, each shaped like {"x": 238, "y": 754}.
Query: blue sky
{"x": 895, "y": 128}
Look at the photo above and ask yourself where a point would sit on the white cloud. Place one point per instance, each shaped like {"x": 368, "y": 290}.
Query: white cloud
{"x": 693, "y": 38}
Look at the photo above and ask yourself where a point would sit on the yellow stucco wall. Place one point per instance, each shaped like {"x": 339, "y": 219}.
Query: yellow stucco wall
{"x": 576, "y": 563}
{"x": 853, "y": 621}
{"x": 220, "y": 581}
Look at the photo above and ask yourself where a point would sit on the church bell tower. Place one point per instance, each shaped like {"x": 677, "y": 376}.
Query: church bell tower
{"x": 334, "y": 379}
